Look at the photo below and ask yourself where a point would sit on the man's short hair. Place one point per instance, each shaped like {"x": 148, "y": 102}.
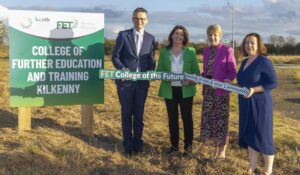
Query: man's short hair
{"x": 139, "y": 9}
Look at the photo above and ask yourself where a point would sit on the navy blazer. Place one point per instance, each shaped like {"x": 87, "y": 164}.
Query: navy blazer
{"x": 125, "y": 55}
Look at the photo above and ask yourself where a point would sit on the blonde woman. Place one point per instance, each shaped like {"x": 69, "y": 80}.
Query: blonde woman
{"x": 219, "y": 64}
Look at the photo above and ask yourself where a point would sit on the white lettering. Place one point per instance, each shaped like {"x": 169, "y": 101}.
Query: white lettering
{"x": 58, "y": 89}
{"x": 36, "y": 76}
{"x": 68, "y": 76}
{"x": 51, "y": 51}
{"x": 32, "y": 64}
{"x": 78, "y": 63}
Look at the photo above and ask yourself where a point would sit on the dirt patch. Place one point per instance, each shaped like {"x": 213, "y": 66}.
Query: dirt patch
{"x": 287, "y": 94}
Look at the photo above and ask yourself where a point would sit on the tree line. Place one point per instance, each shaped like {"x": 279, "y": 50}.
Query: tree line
{"x": 276, "y": 44}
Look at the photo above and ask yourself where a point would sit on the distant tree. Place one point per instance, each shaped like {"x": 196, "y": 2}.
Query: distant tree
{"x": 271, "y": 49}
{"x": 277, "y": 40}
{"x": 297, "y": 48}
{"x": 164, "y": 43}
{"x": 235, "y": 43}
{"x": 109, "y": 45}
{"x": 290, "y": 40}
{"x": 277, "y": 46}
{"x": 272, "y": 40}
{"x": 200, "y": 47}
{"x": 287, "y": 49}
{"x": 157, "y": 45}
{"x": 3, "y": 32}
{"x": 281, "y": 41}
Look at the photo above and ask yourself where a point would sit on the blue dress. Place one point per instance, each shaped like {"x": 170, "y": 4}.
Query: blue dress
{"x": 256, "y": 113}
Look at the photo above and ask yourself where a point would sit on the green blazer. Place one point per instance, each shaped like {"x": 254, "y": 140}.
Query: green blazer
{"x": 190, "y": 65}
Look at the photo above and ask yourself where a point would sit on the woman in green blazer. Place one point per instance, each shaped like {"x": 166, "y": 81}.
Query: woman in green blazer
{"x": 178, "y": 58}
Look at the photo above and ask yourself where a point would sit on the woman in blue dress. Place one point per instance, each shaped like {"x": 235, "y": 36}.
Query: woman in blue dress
{"x": 256, "y": 111}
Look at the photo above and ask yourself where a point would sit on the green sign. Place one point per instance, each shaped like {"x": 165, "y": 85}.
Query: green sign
{"x": 135, "y": 76}
{"x": 55, "y": 58}
{"x": 169, "y": 76}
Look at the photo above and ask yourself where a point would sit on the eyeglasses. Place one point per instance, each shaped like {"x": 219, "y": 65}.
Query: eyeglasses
{"x": 139, "y": 19}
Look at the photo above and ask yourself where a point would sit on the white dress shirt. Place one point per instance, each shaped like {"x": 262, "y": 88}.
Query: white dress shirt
{"x": 138, "y": 39}
{"x": 176, "y": 66}
{"x": 138, "y": 42}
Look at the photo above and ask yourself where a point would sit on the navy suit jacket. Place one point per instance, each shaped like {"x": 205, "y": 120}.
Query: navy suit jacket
{"x": 125, "y": 55}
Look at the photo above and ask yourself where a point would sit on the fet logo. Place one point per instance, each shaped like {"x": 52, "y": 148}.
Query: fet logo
{"x": 67, "y": 24}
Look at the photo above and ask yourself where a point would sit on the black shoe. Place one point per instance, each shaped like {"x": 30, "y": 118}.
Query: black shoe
{"x": 256, "y": 172}
{"x": 127, "y": 153}
{"x": 187, "y": 151}
{"x": 172, "y": 150}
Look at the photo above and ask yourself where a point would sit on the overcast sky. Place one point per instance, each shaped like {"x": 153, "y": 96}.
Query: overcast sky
{"x": 279, "y": 17}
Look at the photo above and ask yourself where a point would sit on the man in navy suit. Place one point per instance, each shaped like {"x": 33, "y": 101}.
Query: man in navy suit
{"x": 134, "y": 51}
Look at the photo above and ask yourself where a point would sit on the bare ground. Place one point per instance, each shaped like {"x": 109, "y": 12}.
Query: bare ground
{"x": 287, "y": 95}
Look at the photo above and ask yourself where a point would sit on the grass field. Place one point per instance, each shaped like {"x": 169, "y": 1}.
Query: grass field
{"x": 285, "y": 59}
{"x": 55, "y": 144}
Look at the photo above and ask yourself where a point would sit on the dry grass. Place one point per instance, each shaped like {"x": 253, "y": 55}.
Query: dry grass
{"x": 4, "y": 51}
{"x": 285, "y": 59}
{"x": 297, "y": 76}
{"x": 56, "y": 146}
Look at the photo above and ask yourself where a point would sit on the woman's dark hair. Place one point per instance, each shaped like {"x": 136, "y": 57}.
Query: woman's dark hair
{"x": 262, "y": 50}
{"x": 186, "y": 38}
